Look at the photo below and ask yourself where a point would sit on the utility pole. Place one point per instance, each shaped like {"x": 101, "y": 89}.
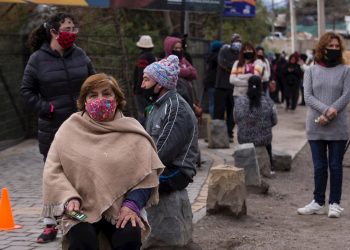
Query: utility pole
{"x": 273, "y": 16}
{"x": 321, "y": 17}
{"x": 184, "y": 18}
{"x": 292, "y": 25}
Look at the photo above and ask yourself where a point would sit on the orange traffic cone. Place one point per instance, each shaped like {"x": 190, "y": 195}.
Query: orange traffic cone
{"x": 6, "y": 218}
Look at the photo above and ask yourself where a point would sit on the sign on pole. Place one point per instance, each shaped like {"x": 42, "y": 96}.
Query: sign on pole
{"x": 190, "y": 5}
{"x": 239, "y": 8}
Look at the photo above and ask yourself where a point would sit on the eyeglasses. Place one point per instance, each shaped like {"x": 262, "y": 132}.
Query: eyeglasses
{"x": 69, "y": 29}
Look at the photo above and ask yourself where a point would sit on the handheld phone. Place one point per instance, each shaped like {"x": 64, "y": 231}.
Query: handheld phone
{"x": 76, "y": 215}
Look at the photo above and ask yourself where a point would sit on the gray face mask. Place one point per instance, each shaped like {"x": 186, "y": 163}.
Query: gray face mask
{"x": 236, "y": 46}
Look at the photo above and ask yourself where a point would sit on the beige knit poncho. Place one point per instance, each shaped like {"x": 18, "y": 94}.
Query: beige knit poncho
{"x": 99, "y": 162}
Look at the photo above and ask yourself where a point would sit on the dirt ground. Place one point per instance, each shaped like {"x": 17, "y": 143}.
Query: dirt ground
{"x": 272, "y": 221}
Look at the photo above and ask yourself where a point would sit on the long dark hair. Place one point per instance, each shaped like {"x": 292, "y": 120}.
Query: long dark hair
{"x": 241, "y": 59}
{"x": 42, "y": 33}
{"x": 254, "y": 91}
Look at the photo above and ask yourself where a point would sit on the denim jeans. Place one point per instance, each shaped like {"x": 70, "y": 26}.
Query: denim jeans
{"x": 321, "y": 161}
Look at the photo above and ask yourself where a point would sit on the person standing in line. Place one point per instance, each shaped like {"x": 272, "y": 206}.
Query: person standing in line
{"x": 51, "y": 84}
{"x": 145, "y": 58}
{"x": 245, "y": 67}
{"x": 173, "y": 46}
{"x": 304, "y": 65}
{"x": 292, "y": 78}
{"x": 266, "y": 68}
{"x": 223, "y": 98}
{"x": 327, "y": 93}
{"x": 172, "y": 124}
{"x": 279, "y": 65}
{"x": 210, "y": 74}
{"x": 255, "y": 114}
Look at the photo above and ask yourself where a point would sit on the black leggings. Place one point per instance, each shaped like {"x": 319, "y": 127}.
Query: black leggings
{"x": 84, "y": 236}
{"x": 269, "y": 151}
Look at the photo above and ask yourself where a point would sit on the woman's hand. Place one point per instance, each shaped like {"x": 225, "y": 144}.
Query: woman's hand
{"x": 72, "y": 205}
{"x": 125, "y": 215}
{"x": 323, "y": 120}
{"x": 331, "y": 113}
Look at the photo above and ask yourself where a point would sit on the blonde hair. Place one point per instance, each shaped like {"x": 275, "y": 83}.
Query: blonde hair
{"x": 96, "y": 81}
{"x": 323, "y": 43}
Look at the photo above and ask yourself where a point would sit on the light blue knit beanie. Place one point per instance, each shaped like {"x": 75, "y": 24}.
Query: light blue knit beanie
{"x": 165, "y": 72}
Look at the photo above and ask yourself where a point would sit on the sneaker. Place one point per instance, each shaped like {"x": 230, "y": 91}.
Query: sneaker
{"x": 49, "y": 234}
{"x": 334, "y": 210}
{"x": 312, "y": 208}
{"x": 231, "y": 139}
{"x": 272, "y": 172}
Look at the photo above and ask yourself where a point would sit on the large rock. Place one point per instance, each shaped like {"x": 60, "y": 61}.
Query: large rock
{"x": 245, "y": 157}
{"x": 281, "y": 160}
{"x": 227, "y": 193}
{"x": 217, "y": 134}
{"x": 171, "y": 222}
{"x": 263, "y": 161}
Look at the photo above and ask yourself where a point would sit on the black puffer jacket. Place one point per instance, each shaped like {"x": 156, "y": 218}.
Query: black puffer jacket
{"x": 52, "y": 78}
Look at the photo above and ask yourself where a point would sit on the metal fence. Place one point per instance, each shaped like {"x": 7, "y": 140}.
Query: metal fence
{"x": 109, "y": 54}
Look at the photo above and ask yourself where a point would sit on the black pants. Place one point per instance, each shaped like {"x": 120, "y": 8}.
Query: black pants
{"x": 178, "y": 181}
{"x": 223, "y": 101}
{"x": 269, "y": 151}
{"x": 291, "y": 95}
{"x": 84, "y": 236}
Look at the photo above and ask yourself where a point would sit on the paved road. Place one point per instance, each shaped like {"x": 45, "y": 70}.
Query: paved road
{"x": 21, "y": 172}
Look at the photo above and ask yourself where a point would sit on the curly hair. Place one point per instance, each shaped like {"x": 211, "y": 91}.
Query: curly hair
{"x": 96, "y": 81}
{"x": 42, "y": 33}
{"x": 323, "y": 43}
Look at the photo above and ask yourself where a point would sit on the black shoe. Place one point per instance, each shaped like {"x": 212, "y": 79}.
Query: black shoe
{"x": 231, "y": 139}
{"x": 49, "y": 234}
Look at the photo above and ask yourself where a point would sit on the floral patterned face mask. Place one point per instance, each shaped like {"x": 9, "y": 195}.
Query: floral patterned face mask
{"x": 101, "y": 109}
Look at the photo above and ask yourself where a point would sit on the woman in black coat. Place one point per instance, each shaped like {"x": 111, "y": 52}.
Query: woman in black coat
{"x": 51, "y": 83}
{"x": 292, "y": 80}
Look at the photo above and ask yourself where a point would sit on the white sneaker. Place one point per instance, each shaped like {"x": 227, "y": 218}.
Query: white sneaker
{"x": 312, "y": 208}
{"x": 334, "y": 210}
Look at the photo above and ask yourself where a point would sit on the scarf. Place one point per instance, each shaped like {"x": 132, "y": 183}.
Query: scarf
{"x": 99, "y": 163}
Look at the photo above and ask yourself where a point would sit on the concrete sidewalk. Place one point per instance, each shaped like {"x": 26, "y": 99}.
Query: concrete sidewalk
{"x": 21, "y": 172}
{"x": 288, "y": 136}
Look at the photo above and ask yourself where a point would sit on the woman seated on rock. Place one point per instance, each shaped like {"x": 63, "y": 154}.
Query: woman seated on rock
{"x": 104, "y": 165}
{"x": 255, "y": 115}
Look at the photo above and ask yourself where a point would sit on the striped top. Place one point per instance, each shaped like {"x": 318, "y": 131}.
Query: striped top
{"x": 324, "y": 88}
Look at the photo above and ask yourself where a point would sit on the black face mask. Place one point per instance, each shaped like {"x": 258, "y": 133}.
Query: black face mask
{"x": 261, "y": 57}
{"x": 248, "y": 55}
{"x": 149, "y": 94}
{"x": 332, "y": 55}
{"x": 177, "y": 53}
